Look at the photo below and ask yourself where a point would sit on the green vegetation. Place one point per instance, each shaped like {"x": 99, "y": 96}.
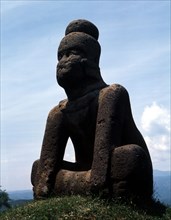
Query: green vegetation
{"x": 4, "y": 199}
{"x": 79, "y": 207}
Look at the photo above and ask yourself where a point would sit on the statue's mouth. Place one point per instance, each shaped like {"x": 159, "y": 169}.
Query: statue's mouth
{"x": 63, "y": 69}
{"x": 68, "y": 67}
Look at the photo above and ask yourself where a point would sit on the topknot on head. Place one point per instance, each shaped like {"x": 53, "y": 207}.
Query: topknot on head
{"x": 84, "y": 26}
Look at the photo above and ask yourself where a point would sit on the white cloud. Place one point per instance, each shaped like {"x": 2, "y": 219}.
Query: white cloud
{"x": 155, "y": 116}
{"x": 155, "y": 123}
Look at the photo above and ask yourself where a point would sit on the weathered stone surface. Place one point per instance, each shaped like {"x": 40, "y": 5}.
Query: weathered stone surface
{"x": 130, "y": 173}
{"x": 111, "y": 154}
{"x": 84, "y": 26}
{"x": 72, "y": 182}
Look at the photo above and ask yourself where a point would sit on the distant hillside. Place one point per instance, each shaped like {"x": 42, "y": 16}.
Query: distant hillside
{"x": 21, "y": 195}
{"x": 161, "y": 173}
{"x": 19, "y": 202}
{"x": 162, "y": 186}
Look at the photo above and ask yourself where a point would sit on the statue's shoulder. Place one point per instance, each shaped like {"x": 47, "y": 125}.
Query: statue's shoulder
{"x": 58, "y": 109}
{"x": 114, "y": 90}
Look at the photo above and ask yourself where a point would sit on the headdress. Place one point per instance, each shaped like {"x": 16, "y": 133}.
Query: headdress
{"x": 82, "y": 35}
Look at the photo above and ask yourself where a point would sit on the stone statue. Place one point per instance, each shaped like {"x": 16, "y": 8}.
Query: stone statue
{"x": 111, "y": 154}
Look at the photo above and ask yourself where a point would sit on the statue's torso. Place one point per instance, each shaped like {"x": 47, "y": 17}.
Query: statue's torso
{"x": 80, "y": 123}
{"x": 80, "y": 117}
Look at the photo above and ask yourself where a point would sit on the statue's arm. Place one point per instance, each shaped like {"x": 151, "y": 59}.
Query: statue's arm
{"x": 52, "y": 152}
{"x": 109, "y": 126}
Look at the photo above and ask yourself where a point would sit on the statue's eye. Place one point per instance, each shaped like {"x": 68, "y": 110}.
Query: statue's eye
{"x": 77, "y": 52}
{"x": 71, "y": 52}
{"x": 74, "y": 52}
{"x": 60, "y": 55}
{"x": 67, "y": 53}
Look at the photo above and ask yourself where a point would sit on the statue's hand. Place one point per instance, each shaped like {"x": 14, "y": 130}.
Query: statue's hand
{"x": 41, "y": 192}
{"x": 98, "y": 187}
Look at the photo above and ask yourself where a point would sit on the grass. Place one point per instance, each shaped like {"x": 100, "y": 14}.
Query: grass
{"x": 79, "y": 207}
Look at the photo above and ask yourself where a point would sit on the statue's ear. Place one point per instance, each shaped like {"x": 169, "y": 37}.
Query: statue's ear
{"x": 89, "y": 63}
{"x": 90, "y": 68}
{"x": 84, "y": 65}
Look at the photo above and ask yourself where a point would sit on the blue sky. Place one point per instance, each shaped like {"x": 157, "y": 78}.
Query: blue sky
{"x": 135, "y": 42}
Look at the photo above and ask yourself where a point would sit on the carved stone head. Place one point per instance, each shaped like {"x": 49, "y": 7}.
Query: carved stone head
{"x": 78, "y": 54}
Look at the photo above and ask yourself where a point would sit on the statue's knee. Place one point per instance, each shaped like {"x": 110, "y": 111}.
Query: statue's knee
{"x": 130, "y": 163}
{"x": 127, "y": 159}
{"x": 34, "y": 171}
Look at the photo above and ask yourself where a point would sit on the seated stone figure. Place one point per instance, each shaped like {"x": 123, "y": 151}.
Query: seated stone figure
{"x": 111, "y": 154}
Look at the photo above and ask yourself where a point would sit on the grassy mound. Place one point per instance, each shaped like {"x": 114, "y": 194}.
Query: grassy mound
{"x": 78, "y": 207}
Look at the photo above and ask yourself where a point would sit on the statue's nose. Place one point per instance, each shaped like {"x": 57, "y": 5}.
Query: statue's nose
{"x": 62, "y": 63}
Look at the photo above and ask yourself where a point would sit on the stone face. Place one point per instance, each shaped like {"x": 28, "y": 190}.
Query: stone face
{"x": 110, "y": 152}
